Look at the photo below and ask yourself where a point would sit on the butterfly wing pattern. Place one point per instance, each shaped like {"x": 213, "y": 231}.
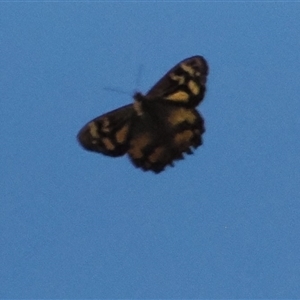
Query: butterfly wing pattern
{"x": 159, "y": 127}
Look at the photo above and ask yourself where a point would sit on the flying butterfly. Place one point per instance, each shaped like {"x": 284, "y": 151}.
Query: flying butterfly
{"x": 159, "y": 127}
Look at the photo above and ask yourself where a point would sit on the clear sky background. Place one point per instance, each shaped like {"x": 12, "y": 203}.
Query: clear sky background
{"x": 224, "y": 223}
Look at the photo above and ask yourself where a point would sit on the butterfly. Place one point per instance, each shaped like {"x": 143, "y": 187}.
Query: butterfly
{"x": 160, "y": 126}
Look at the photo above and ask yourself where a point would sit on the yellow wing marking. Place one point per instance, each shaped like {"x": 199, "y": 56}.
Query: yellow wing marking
{"x": 180, "y": 115}
{"x": 188, "y": 69}
{"x": 156, "y": 154}
{"x": 138, "y": 144}
{"x": 178, "y": 96}
{"x": 108, "y": 144}
{"x": 121, "y": 135}
{"x": 183, "y": 138}
{"x": 94, "y": 130}
{"x": 105, "y": 125}
{"x": 178, "y": 78}
{"x": 194, "y": 87}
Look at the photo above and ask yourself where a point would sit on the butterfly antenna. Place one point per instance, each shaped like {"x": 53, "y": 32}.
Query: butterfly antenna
{"x": 115, "y": 90}
{"x": 139, "y": 77}
{"x": 137, "y": 85}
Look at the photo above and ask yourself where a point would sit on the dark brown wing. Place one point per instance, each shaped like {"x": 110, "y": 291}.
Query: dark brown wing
{"x": 184, "y": 84}
{"x": 109, "y": 133}
{"x": 163, "y": 133}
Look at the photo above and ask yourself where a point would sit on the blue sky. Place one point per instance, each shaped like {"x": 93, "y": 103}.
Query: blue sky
{"x": 224, "y": 223}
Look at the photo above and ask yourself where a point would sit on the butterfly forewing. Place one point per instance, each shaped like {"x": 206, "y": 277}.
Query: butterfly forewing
{"x": 109, "y": 133}
{"x": 184, "y": 83}
{"x": 159, "y": 127}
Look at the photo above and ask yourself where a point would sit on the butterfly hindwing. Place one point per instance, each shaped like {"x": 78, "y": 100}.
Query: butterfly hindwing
{"x": 108, "y": 134}
{"x": 159, "y": 127}
{"x": 163, "y": 133}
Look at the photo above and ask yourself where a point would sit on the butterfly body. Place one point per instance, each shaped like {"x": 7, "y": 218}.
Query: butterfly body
{"x": 159, "y": 127}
